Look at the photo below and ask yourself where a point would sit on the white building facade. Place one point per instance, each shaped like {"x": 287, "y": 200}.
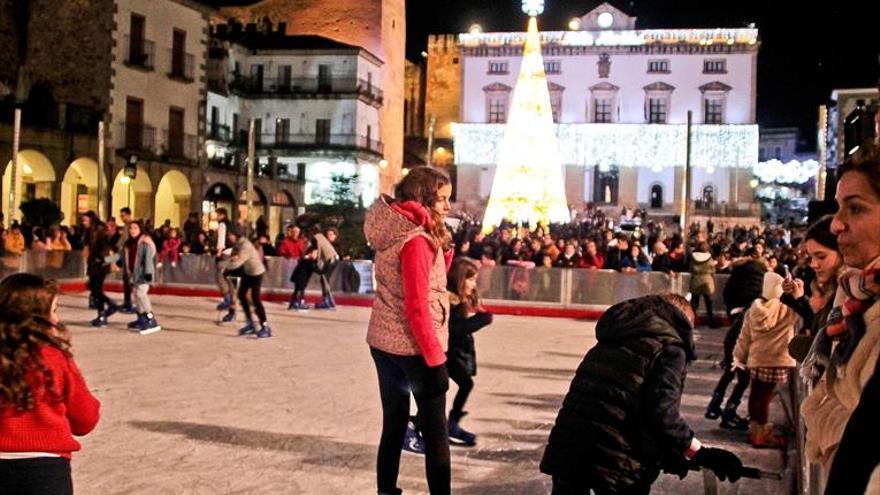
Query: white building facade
{"x": 621, "y": 99}
{"x": 315, "y": 105}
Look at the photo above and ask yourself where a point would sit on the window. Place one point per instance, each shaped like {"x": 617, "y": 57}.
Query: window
{"x": 602, "y": 110}
{"x": 257, "y": 76}
{"x": 175, "y": 132}
{"x": 656, "y": 196}
{"x": 139, "y": 49}
{"x": 322, "y": 131}
{"x": 325, "y": 79}
{"x": 498, "y": 67}
{"x": 658, "y": 66}
{"x": 283, "y": 83}
{"x": 556, "y": 105}
{"x": 178, "y": 53}
{"x": 715, "y": 66}
{"x": 714, "y": 108}
{"x": 498, "y": 109}
{"x": 708, "y": 196}
{"x": 553, "y": 66}
{"x": 777, "y": 153}
{"x": 657, "y": 110}
{"x": 134, "y": 124}
{"x": 762, "y": 154}
{"x": 215, "y": 122}
{"x": 236, "y": 136}
{"x": 282, "y": 131}
{"x": 455, "y": 61}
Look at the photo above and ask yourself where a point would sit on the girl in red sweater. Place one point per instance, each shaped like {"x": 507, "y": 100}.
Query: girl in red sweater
{"x": 44, "y": 400}
{"x": 409, "y": 328}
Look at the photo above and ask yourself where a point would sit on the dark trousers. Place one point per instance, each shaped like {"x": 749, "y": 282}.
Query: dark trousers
{"x": 126, "y": 290}
{"x": 564, "y": 487}
{"x": 707, "y": 299}
{"x": 324, "y": 272}
{"x": 38, "y": 476}
{"x": 465, "y": 383}
{"x": 96, "y": 291}
{"x": 398, "y": 376}
{"x": 252, "y": 284}
{"x": 759, "y": 400}
{"x": 742, "y": 383}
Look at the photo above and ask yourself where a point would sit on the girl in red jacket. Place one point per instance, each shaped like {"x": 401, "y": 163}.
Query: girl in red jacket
{"x": 408, "y": 328}
{"x": 44, "y": 400}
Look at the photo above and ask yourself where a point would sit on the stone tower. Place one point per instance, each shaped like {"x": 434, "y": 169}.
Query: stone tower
{"x": 443, "y": 95}
{"x": 378, "y": 26}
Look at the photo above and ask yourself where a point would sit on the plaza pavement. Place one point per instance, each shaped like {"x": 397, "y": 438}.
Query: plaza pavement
{"x": 194, "y": 409}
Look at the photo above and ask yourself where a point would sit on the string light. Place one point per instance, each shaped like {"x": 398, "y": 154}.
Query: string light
{"x": 529, "y": 186}
{"x": 700, "y": 37}
{"x": 793, "y": 172}
{"x": 625, "y": 145}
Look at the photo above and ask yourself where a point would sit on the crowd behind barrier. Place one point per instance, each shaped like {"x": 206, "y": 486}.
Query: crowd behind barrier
{"x": 510, "y": 284}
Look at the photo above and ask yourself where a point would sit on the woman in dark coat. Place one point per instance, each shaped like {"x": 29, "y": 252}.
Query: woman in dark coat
{"x": 466, "y": 316}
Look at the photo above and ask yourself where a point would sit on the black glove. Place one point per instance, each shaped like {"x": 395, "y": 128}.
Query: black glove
{"x": 148, "y": 277}
{"x": 436, "y": 381}
{"x": 676, "y": 464}
{"x": 725, "y": 464}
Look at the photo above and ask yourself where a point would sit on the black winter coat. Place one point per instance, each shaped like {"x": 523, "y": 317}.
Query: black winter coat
{"x": 745, "y": 284}
{"x": 620, "y": 418}
{"x": 462, "y": 353}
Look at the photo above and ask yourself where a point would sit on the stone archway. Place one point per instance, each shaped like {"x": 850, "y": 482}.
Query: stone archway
{"x": 173, "y": 199}
{"x": 136, "y": 194}
{"x": 79, "y": 189}
{"x": 37, "y": 179}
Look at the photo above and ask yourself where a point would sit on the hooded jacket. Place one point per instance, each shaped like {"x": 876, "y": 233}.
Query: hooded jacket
{"x": 767, "y": 329}
{"x": 702, "y": 274}
{"x": 620, "y": 418}
{"x": 144, "y": 263}
{"x": 411, "y": 308}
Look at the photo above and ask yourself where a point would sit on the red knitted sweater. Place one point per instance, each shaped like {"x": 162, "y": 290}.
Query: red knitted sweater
{"x": 50, "y": 425}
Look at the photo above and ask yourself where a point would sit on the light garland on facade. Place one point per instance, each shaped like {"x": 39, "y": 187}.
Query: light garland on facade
{"x": 703, "y": 37}
{"x": 624, "y": 145}
{"x": 793, "y": 172}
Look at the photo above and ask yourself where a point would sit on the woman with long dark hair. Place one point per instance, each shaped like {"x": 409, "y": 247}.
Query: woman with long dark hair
{"x": 408, "y": 327}
{"x": 44, "y": 400}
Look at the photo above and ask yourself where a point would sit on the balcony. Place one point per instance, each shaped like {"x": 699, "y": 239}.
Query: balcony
{"x": 179, "y": 146}
{"x": 139, "y": 53}
{"x": 182, "y": 66}
{"x": 218, "y": 133}
{"x": 307, "y": 87}
{"x": 352, "y": 142}
{"x": 714, "y": 209}
{"x": 138, "y": 136}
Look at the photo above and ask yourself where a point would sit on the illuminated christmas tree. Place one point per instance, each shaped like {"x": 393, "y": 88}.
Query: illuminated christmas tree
{"x": 529, "y": 187}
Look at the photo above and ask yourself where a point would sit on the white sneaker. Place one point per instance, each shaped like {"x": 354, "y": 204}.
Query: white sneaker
{"x": 148, "y": 331}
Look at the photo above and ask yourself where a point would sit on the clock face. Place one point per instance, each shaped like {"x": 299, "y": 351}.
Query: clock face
{"x": 605, "y": 20}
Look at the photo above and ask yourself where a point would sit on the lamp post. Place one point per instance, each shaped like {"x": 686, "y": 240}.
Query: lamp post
{"x": 429, "y": 158}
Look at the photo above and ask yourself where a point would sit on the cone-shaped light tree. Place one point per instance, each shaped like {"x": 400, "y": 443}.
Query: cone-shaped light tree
{"x": 529, "y": 186}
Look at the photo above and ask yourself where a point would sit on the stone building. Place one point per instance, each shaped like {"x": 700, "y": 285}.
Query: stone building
{"x": 620, "y": 97}
{"x": 378, "y": 26}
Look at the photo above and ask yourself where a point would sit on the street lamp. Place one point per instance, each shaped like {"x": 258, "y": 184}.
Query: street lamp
{"x": 475, "y": 29}
{"x": 533, "y": 7}
{"x": 574, "y": 24}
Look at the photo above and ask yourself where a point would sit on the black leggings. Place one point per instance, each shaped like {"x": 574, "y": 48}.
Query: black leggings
{"x": 465, "y": 383}
{"x": 398, "y": 376}
{"x": 742, "y": 383}
{"x": 37, "y": 476}
{"x": 96, "y": 292}
{"x": 252, "y": 284}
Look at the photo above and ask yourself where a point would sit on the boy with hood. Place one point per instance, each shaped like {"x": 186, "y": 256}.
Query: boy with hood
{"x": 620, "y": 423}
{"x": 702, "y": 268}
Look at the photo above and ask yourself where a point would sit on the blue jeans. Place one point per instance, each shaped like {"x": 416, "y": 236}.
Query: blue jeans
{"x": 398, "y": 376}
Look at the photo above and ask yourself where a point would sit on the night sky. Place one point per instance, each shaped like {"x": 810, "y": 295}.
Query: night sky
{"x": 808, "y": 47}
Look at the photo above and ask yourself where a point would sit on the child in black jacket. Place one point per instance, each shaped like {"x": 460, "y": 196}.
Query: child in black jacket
{"x": 466, "y": 316}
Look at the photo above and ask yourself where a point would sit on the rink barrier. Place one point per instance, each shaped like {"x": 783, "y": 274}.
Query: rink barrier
{"x": 552, "y": 292}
